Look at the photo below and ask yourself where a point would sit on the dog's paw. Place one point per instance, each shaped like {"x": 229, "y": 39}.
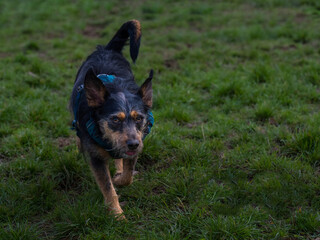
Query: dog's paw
{"x": 116, "y": 210}
{"x": 120, "y": 217}
{"x": 118, "y": 214}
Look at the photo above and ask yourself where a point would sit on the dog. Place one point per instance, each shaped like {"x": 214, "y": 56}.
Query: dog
{"x": 112, "y": 114}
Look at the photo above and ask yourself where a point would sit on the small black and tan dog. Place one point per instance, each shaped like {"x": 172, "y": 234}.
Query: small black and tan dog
{"x": 112, "y": 114}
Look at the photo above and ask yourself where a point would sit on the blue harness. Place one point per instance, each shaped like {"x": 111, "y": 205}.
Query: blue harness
{"x": 91, "y": 126}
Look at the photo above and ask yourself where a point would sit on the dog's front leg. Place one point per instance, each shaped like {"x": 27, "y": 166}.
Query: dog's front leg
{"x": 100, "y": 169}
{"x": 119, "y": 166}
{"x": 126, "y": 177}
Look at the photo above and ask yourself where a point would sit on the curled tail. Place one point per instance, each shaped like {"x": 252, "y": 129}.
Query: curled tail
{"x": 130, "y": 29}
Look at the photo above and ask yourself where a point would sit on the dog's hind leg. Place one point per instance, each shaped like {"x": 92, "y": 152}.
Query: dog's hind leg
{"x": 126, "y": 177}
{"x": 79, "y": 144}
{"x": 100, "y": 169}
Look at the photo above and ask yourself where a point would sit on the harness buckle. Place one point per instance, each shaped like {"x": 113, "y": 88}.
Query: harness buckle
{"x": 80, "y": 88}
{"x": 74, "y": 125}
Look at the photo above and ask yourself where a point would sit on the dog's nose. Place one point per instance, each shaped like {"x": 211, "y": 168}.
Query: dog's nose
{"x": 132, "y": 144}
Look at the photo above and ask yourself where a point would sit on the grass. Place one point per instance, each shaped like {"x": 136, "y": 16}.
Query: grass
{"x": 234, "y": 153}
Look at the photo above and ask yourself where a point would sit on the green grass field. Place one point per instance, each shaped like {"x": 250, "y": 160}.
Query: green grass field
{"x": 235, "y": 150}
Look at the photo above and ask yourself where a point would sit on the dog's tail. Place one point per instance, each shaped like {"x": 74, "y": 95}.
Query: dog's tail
{"x": 130, "y": 29}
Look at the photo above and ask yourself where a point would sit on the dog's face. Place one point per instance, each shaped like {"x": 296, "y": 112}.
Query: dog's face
{"x": 121, "y": 115}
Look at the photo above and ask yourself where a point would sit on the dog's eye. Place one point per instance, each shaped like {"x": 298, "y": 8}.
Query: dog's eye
{"x": 138, "y": 119}
{"x": 115, "y": 119}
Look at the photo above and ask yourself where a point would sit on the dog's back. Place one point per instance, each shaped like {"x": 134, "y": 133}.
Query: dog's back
{"x": 109, "y": 60}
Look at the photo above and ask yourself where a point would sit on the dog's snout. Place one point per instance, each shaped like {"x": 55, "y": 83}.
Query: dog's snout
{"x": 132, "y": 144}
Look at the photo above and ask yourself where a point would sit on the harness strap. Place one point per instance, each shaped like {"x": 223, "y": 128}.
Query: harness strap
{"x": 105, "y": 78}
{"x": 76, "y": 108}
{"x": 150, "y": 122}
{"x": 93, "y": 132}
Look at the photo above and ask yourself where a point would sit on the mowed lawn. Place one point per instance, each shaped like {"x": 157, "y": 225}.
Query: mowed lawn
{"x": 235, "y": 150}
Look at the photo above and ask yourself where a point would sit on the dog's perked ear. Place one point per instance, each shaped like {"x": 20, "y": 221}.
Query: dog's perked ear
{"x": 96, "y": 92}
{"x": 145, "y": 91}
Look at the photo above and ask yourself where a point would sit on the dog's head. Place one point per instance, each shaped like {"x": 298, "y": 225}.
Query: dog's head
{"x": 120, "y": 114}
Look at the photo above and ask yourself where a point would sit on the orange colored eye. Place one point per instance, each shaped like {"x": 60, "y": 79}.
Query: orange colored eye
{"x": 115, "y": 120}
{"x": 138, "y": 119}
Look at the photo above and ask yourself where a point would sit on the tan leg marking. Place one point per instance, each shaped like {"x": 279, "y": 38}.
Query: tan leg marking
{"x": 126, "y": 177}
{"x": 79, "y": 145}
{"x": 109, "y": 193}
{"x": 119, "y": 165}
{"x": 100, "y": 169}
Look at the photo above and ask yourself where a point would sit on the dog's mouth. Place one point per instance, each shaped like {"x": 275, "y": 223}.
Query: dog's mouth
{"x": 131, "y": 153}
{"x": 124, "y": 152}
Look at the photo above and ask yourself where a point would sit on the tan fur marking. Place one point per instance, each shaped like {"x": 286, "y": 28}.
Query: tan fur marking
{"x": 102, "y": 177}
{"x": 119, "y": 165}
{"x": 121, "y": 116}
{"x": 99, "y": 97}
{"x": 139, "y": 135}
{"x": 107, "y": 132}
{"x": 147, "y": 99}
{"x": 138, "y": 28}
{"x": 126, "y": 177}
{"x": 110, "y": 197}
{"x": 118, "y": 139}
{"x": 134, "y": 114}
{"x": 103, "y": 153}
{"x": 78, "y": 141}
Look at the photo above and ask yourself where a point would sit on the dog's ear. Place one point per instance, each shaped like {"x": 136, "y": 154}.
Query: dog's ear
{"x": 145, "y": 91}
{"x": 96, "y": 92}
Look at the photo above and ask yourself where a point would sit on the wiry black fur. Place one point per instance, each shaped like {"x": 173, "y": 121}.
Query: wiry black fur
{"x": 128, "y": 29}
{"x": 108, "y": 104}
{"x": 103, "y": 61}
{"x": 109, "y": 60}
